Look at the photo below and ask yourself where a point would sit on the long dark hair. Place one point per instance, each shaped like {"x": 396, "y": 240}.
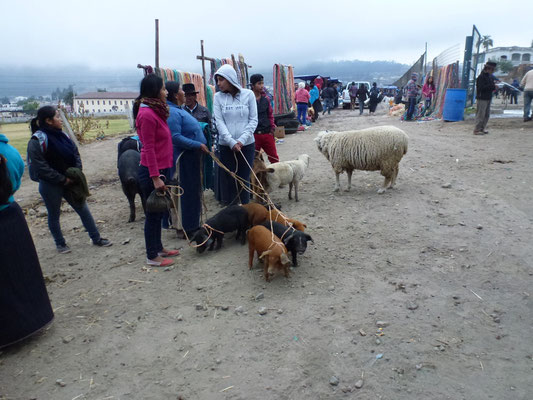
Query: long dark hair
{"x": 150, "y": 87}
{"x": 173, "y": 89}
{"x": 6, "y": 187}
{"x": 42, "y": 115}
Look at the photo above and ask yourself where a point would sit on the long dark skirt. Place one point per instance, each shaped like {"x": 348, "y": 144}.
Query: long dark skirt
{"x": 231, "y": 191}
{"x": 372, "y": 105}
{"x": 24, "y": 304}
{"x": 317, "y": 106}
{"x": 190, "y": 162}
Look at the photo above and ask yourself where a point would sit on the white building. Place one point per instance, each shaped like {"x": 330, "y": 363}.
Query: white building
{"x": 104, "y": 102}
{"x": 517, "y": 55}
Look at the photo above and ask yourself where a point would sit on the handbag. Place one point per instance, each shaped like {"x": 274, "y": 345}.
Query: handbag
{"x": 158, "y": 202}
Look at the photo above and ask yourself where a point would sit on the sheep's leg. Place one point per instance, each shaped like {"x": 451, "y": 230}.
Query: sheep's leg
{"x": 388, "y": 176}
{"x": 296, "y": 190}
{"x": 349, "y": 173}
{"x": 290, "y": 191}
{"x": 337, "y": 182}
{"x": 394, "y": 176}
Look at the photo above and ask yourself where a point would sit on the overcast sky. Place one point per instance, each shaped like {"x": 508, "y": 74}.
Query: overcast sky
{"x": 120, "y": 34}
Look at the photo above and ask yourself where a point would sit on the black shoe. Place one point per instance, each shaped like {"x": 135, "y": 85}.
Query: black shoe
{"x": 102, "y": 242}
{"x": 527, "y": 119}
{"x": 63, "y": 249}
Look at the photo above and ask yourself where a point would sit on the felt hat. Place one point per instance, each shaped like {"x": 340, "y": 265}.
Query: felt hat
{"x": 189, "y": 88}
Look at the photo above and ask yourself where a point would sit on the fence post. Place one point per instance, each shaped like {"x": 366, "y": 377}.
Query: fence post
{"x": 129, "y": 113}
{"x": 67, "y": 127}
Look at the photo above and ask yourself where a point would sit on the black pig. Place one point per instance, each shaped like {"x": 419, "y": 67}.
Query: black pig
{"x": 128, "y": 165}
{"x": 295, "y": 241}
{"x": 229, "y": 219}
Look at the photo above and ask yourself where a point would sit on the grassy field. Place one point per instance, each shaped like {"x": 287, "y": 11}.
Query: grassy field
{"x": 19, "y": 134}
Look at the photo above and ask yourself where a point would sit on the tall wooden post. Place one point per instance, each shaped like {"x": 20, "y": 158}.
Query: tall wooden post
{"x": 157, "y": 43}
{"x": 203, "y": 69}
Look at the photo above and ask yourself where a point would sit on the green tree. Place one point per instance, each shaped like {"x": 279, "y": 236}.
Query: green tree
{"x": 504, "y": 66}
{"x": 68, "y": 96}
{"x": 30, "y": 106}
{"x": 486, "y": 41}
{"x": 4, "y": 100}
{"x": 101, "y": 90}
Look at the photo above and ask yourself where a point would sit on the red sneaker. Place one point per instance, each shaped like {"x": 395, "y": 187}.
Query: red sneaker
{"x": 169, "y": 253}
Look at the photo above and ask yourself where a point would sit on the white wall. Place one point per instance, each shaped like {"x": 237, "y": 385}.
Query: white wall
{"x": 101, "y": 106}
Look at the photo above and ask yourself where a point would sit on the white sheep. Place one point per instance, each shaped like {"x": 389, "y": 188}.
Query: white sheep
{"x": 286, "y": 172}
{"x": 372, "y": 149}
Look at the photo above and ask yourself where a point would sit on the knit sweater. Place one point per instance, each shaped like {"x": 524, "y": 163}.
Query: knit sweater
{"x": 527, "y": 81}
{"x": 156, "y": 151}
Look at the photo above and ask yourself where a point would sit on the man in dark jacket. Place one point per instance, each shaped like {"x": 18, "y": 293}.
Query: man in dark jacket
{"x": 264, "y": 133}
{"x": 484, "y": 88}
{"x": 328, "y": 94}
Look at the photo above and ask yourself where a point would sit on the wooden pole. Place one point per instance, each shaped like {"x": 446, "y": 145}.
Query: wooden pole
{"x": 203, "y": 70}
{"x": 67, "y": 127}
{"x": 157, "y": 43}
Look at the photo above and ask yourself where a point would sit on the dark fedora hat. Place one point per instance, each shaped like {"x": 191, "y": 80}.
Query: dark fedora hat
{"x": 189, "y": 88}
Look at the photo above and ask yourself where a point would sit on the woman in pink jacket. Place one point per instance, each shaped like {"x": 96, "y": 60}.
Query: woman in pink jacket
{"x": 302, "y": 100}
{"x": 428, "y": 90}
{"x": 150, "y": 112}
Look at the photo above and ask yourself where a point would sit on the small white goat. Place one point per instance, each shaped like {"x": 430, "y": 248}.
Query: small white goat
{"x": 373, "y": 149}
{"x": 287, "y": 172}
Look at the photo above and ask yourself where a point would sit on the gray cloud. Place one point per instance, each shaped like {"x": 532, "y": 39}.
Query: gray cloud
{"x": 120, "y": 34}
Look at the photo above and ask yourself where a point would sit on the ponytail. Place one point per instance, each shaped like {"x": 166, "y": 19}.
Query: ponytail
{"x": 43, "y": 114}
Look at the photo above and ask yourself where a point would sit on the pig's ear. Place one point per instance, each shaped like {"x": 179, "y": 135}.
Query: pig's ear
{"x": 309, "y": 238}
{"x": 284, "y": 259}
{"x": 264, "y": 254}
{"x": 270, "y": 170}
{"x": 288, "y": 239}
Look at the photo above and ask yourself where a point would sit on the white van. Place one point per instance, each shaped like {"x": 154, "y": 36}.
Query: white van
{"x": 346, "y": 102}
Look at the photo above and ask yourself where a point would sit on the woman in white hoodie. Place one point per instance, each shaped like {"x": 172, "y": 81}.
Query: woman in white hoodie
{"x": 236, "y": 120}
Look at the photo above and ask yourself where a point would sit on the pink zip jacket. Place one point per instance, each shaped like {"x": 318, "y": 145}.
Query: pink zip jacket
{"x": 156, "y": 152}
{"x": 302, "y": 96}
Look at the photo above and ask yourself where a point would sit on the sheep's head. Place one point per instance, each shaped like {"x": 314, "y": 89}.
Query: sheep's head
{"x": 322, "y": 141}
{"x": 305, "y": 158}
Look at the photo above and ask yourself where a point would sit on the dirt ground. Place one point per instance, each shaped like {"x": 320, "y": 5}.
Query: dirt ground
{"x": 443, "y": 262}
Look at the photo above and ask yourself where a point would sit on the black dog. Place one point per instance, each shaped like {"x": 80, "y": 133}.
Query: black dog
{"x": 128, "y": 165}
{"x": 231, "y": 218}
{"x": 295, "y": 241}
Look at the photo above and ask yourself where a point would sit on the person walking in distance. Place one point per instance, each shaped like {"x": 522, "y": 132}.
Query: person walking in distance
{"x": 328, "y": 94}
{"x": 362, "y": 95}
{"x": 353, "y": 95}
{"x": 314, "y": 100}
{"x": 264, "y": 133}
{"x": 412, "y": 94}
{"x": 527, "y": 84}
{"x": 302, "y": 100}
{"x": 484, "y": 88}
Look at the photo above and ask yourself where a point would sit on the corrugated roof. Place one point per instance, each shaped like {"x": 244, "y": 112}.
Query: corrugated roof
{"x": 108, "y": 95}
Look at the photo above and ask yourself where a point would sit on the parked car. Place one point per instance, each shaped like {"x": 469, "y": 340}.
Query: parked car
{"x": 346, "y": 102}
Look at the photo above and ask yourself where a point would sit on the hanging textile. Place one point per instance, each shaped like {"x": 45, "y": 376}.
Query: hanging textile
{"x": 447, "y": 78}
{"x": 283, "y": 89}
{"x": 181, "y": 77}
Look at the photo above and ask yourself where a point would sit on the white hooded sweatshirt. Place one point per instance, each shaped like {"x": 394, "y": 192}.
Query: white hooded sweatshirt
{"x": 235, "y": 117}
